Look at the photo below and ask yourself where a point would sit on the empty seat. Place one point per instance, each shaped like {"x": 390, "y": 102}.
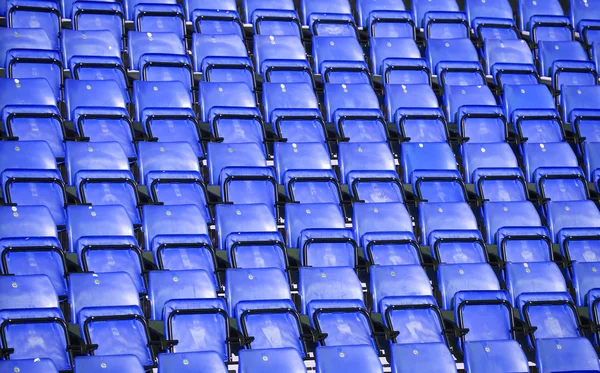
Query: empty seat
{"x": 509, "y": 57}
{"x": 27, "y": 221}
{"x": 281, "y": 59}
{"x": 580, "y": 107}
{"x": 271, "y": 361}
{"x": 333, "y": 18}
{"x": 453, "y": 278}
{"x": 497, "y": 215}
{"x": 222, "y": 58}
{"x": 100, "y": 120}
{"x": 421, "y": 358}
{"x": 400, "y": 96}
{"x": 482, "y": 124}
{"x": 255, "y": 285}
{"x": 364, "y": 8}
{"x": 505, "y": 355}
{"x": 340, "y": 97}
{"x": 584, "y": 18}
{"x": 290, "y": 158}
{"x": 385, "y": 232}
{"x": 541, "y": 277}
{"x": 27, "y": 63}
{"x": 500, "y": 184}
{"x": 25, "y": 38}
{"x": 28, "y": 292}
{"x": 366, "y": 160}
{"x": 458, "y": 246}
{"x": 322, "y": 285}
{"x": 448, "y": 216}
{"x": 393, "y": 50}
{"x": 304, "y": 218}
{"x": 241, "y": 220}
{"x": 340, "y": 60}
{"x": 29, "y": 177}
{"x": 461, "y": 96}
{"x": 94, "y": 55}
{"x": 201, "y": 362}
{"x": 164, "y": 286}
{"x": 566, "y": 354}
{"x": 110, "y": 314}
{"x": 421, "y": 7}
{"x": 218, "y": 18}
{"x": 22, "y": 329}
{"x": 405, "y": 71}
{"x": 92, "y": 16}
{"x": 186, "y": 319}
{"x": 441, "y": 51}
{"x": 273, "y": 17}
{"x": 348, "y": 358}
{"x": 328, "y": 247}
{"x": 36, "y": 365}
{"x": 215, "y": 97}
{"x": 528, "y": 9}
{"x": 391, "y": 282}
{"x": 157, "y": 16}
{"x": 108, "y": 364}
{"x": 571, "y": 214}
{"x": 549, "y": 52}
{"x": 40, "y": 14}
{"x": 485, "y": 156}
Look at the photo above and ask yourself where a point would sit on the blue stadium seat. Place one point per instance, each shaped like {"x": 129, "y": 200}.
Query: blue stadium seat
{"x": 566, "y": 355}
{"x": 26, "y": 63}
{"x": 500, "y": 184}
{"x": 270, "y": 324}
{"x": 220, "y": 17}
{"x": 169, "y": 160}
{"x": 551, "y": 29}
{"x": 568, "y": 72}
{"x": 528, "y": 9}
{"x": 317, "y": 286}
{"x": 258, "y": 284}
{"x": 23, "y": 329}
{"x": 271, "y": 361}
{"x": 165, "y": 286}
{"x": 292, "y": 159}
{"x": 448, "y": 216}
{"x": 29, "y": 177}
{"x": 549, "y": 52}
{"x": 393, "y": 282}
{"x": 303, "y": 218}
{"x": 579, "y": 107}
{"x": 524, "y": 244}
{"x": 453, "y": 278}
{"x": 421, "y": 7}
{"x": 391, "y": 49}
{"x": 421, "y": 125}
{"x": 486, "y": 156}
{"x": 389, "y": 23}
{"x": 486, "y": 314}
{"x": 323, "y": 247}
{"x": 495, "y": 28}
{"x": 242, "y": 220}
{"x": 27, "y": 221}
{"x": 157, "y": 16}
{"x": 333, "y": 18}
{"x": 100, "y": 120}
{"x": 461, "y": 96}
{"x": 458, "y": 246}
{"x": 273, "y": 17}
{"x": 185, "y": 320}
{"x": 563, "y": 216}
{"x": 486, "y": 356}
{"x": 482, "y": 124}
{"x": 157, "y": 55}
{"x": 537, "y": 277}
{"x": 401, "y": 314}
{"x": 34, "y": 14}
{"x": 440, "y": 51}
{"x": 222, "y": 58}
{"x": 421, "y": 358}
{"x": 177, "y": 235}
{"x": 249, "y": 185}
{"x": 340, "y": 60}
{"x": 227, "y": 161}
{"x": 509, "y": 58}
{"x": 561, "y": 184}
{"x": 257, "y": 250}
{"x": 370, "y": 164}
{"x": 497, "y": 215}
{"x": 172, "y": 121}
{"x": 94, "y": 55}
{"x": 108, "y": 364}
{"x": 34, "y": 365}
{"x": 364, "y": 8}
{"x": 532, "y": 111}
{"x": 536, "y": 157}
{"x": 104, "y": 240}
{"x": 27, "y": 91}
{"x": 351, "y": 359}
{"x": 110, "y": 314}
{"x": 281, "y": 59}
{"x": 28, "y": 292}
{"x": 553, "y": 314}
{"x": 339, "y": 97}
{"x": 214, "y": 97}
{"x": 405, "y": 71}
{"x": 584, "y": 18}
{"x": 33, "y": 256}
{"x": 25, "y": 38}
{"x": 384, "y": 231}
{"x": 191, "y": 362}
{"x": 97, "y": 15}
{"x": 445, "y": 25}
{"x": 490, "y": 14}
{"x": 400, "y": 96}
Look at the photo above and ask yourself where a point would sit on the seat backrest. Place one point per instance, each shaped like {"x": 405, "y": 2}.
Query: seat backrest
{"x": 26, "y": 91}
{"x": 94, "y": 94}
{"x": 30, "y": 291}
{"x": 447, "y": 50}
{"x": 456, "y": 96}
{"x": 164, "y": 286}
{"x": 506, "y": 52}
{"x": 243, "y": 218}
{"x": 453, "y": 278}
{"x": 271, "y": 361}
{"x": 277, "y": 96}
{"x": 482, "y": 156}
{"x": 426, "y": 157}
{"x": 97, "y": 156}
{"x": 400, "y": 96}
{"x": 422, "y": 358}
{"x": 578, "y": 97}
{"x": 93, "y": 43}
{"x": 354, "y": 156}
{"x": 307, "y": 216}
{"x": 191, "y": 362}
{"x": 255, "y": 284}
{"x": 221, "y": 156}
{"x": 528, "y": 9}
{"x": 489, "y": 355}
{"x": 350, "y": 359}
{"x": 328, "y": 283}
{"x": 108, "y": 364}
{"x": 348, "y": 96}
{"x": 379, "y": 217}
{"x": 397, "y": 281}
{"x": 97, "y": 221}
{"x": 421, "y": 7}
{"x": 268, "y": 49}
{"x": 480, "y": 9}
{"x": 526, "y": 96}
{"x": 26, "y": 155}
{"x": 301, "y": 156}
{"x": 218, "y": 45}
{"x": 498, "y": 215}
{"x": 222, "y": 95}
{"x": 101, "y": 290}
{"x": 566, "y": 355}
{"x": 26, "y": 221}
{"x": 140, "y": 43}
{"x": 573, "y": 214}
{"x": 534, "y": 277}
{"x": 554, "y": 314}
{"x": 487, "y": 315}
{"x": 34, "y": 365}
{"x": 524, "y": 244}
{"x": 151, "y": 95}
{"x": 445, "y": 216}
{"x": 171, "y": 220}
{"x": 25, "y": 38}
{"x": 457, "y": 246}
{"x": 155, "y": 158}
